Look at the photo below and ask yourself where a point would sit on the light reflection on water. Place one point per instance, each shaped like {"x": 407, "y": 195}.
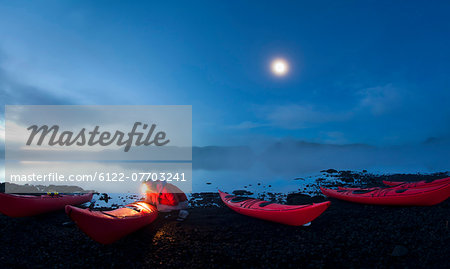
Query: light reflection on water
{"x": 256, "y": 179}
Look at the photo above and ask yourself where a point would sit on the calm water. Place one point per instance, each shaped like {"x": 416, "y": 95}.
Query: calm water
{"x": 277, "y": 177}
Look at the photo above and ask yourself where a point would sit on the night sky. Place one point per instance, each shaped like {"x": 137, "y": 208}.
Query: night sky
{"x": 368, "y": 72}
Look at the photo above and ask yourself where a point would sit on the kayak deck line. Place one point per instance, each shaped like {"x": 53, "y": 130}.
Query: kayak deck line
{"x": 295, "y": 215}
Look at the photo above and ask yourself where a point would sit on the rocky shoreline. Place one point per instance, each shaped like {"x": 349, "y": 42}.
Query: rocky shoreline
{"x": 346, "y": 235}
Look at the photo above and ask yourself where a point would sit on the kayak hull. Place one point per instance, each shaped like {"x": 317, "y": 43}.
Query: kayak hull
{"x": 392, "y": 196}
{"x": 295, "y": 215}
{"x": 406, "y": 185}
{"x": 107, "y": 227}
{"x": 15, "y": 206}
{"x": 419, "y": 184}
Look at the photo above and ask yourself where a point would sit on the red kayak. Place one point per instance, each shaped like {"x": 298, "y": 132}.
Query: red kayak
{"x": 107, "y": 227}
{"x": 15, "y": 205}
{"x": 295, "y": 215}
{"x": 420, "y": 184}
{"x": 393, "y": 196}
{"x": 407, "y": 185}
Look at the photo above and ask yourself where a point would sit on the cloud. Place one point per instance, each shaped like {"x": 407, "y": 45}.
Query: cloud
{"x": 248, "y": 125}
{"x": 302, "y": 116}
{"x": 377, "y": 101}
{"x": 2, "y": 131}
{"x": 334, "y": 137}
{"x": 376, "y": 115}
{"x": 292, "y": 117}
{"x": 380, "y": 100}
{"x": 15, "y": 93}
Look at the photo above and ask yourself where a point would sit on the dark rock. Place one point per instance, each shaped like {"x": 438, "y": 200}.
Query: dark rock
{"x": 399, "y": 251}
{"x": 329, "y": 171}
{"x": 242, "y": 192}
{"x": 348, "y": 176}
{"x": 318, "y": 199}
{"x": 298, "y": 199}
{"x": 346, "y": 235}
{"x": 104, "y": 197}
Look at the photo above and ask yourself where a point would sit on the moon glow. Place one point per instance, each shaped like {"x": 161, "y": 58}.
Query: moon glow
{"x": 279, "y": 67}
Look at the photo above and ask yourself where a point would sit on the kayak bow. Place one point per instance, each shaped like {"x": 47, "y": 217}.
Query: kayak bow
{"x": 419, "y": 184}
{"x": 392, "y": 196}
{"x": 107, "y": 227}
{"x": 15, "y": 205}
{"x": 295, "y": 215}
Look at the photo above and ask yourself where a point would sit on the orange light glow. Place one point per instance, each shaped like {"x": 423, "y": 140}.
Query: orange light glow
{"x": 144, "y": 206}
{"x": 144, "y": 188}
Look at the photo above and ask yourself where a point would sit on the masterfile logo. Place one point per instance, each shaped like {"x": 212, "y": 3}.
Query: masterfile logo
{"x": 102, "y": 148}
{"x": 36, "y": 133}
{"x": 95, "y": 137}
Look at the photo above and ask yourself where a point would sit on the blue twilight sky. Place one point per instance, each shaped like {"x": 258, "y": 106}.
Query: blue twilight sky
{"x": 360, "y": 71}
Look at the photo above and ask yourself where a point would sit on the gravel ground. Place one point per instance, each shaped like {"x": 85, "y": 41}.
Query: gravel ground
{"x": 346, "y": 235}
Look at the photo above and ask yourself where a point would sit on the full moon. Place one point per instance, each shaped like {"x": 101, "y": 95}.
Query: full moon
{"x": 280, "y": 67}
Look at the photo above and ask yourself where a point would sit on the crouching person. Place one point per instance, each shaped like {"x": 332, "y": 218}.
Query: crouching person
{"x": 167, "y": 198}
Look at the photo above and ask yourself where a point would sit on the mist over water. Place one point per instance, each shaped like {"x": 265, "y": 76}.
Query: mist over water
{"x": 285, "y": 160}
{"x": 289, "y": 165}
